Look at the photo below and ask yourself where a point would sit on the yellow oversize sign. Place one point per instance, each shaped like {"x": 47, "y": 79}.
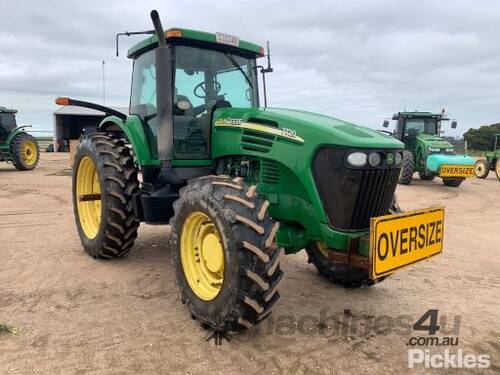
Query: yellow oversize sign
{"x": 456, "y": 171}
{"x": 399, "y": 240}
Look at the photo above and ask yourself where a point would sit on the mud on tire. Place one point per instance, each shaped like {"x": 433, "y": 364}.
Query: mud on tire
{"x": 252, "y": 261}
{"x": 117, "y": 175}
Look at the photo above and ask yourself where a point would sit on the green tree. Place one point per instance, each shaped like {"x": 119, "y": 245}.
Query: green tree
{"x": 483, "y": 138}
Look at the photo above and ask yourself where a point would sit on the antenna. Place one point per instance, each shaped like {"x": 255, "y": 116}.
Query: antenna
{"x": 103, "y": 84}
{"x": 263, "y": 70}
{"x": 269, "y": 69}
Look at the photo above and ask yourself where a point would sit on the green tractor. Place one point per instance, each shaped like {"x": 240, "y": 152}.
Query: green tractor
{"x": 491, "y": 161}
{"x": 426, "y": 152}
{"x": 241, "y": 185}
{"x": 17, "y": 146}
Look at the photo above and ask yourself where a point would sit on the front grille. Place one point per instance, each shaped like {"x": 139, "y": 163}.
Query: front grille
{"x": 352, "y": 196}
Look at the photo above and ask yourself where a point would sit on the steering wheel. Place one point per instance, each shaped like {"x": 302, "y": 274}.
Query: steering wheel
{"x": 201, "y": 86}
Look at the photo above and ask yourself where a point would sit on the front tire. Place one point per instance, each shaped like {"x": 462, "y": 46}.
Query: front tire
{"x": 482, "y": 169}
{"x": 497, "y": 169}
{"x": 25, "y": 152}
{"x": 341, "y": 273}
{"x": 452, "y": 182}
{"x": 426, "y": 177}
{"x": 406, "y": 174}
{"x": 104, "y": 180}
{"x": 226, "y": 260}
{"x": 337, "y": 273}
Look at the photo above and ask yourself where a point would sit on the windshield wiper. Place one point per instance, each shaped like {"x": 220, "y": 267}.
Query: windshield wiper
{"x": 236, "y": 65}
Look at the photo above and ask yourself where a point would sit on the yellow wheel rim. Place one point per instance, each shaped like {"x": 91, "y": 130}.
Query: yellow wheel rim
{"x": 88, "y": 191}
{"x": 28, "y": 152}
{"x": 480, "y": 167}
{"x": 323, "y": 249}
{"x": 202, "y": 255}
{"x": 497, "y": 168}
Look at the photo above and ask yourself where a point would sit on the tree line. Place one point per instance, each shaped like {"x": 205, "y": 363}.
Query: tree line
{"x": 483, "y": 138}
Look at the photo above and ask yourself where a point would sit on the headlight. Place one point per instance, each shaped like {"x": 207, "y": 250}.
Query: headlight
{"x": 374, "y": 159}
{"x": 398, "y": 158}
{"x": 449, "y": 150}
{"x": 434, "y": 149}
{"x": 357, "y": 159}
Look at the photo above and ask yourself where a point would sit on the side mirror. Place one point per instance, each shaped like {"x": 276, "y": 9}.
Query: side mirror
{"x": 386, "y": 124}
{"x": 454, "y": 124}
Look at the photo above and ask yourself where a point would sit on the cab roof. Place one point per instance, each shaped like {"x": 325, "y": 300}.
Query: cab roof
{"x": 177, "y": 33}
{"x": 418, "y": 114}
{"x": 6, "y": 110}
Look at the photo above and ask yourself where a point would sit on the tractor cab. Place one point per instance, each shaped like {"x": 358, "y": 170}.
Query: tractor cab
{"x": 7, "y": 122}
{"x": 208, "y": 71}
{"x": 410, "y": 124}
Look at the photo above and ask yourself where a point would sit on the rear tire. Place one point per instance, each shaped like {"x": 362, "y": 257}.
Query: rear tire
{"x": 406, "y": 174}
{"x": 247, "y": 286}
{"x": 25, "y": 151}
{"x": 482, "y": 169}
{"x": 103, "y": 166}
{"x": 452, "y": 182}
{"x": 426, "y": 177}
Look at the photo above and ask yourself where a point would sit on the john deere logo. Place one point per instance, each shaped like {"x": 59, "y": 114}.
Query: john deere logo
{"x": 390, "y": 158}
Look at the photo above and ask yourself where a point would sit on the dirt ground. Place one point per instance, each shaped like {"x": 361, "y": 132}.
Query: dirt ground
{"x": 75, "y": 315}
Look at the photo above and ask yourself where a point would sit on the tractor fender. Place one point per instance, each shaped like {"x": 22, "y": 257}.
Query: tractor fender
{"x": 134, "y": 131}
{"x": 15, "y": 132}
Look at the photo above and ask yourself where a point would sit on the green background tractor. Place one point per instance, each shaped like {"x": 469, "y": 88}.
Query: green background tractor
{"x": 240, "y": 185}
{"x": 491, "y": 161}
{"x": 426, "y": 152}
{"x": 16, "y": 146}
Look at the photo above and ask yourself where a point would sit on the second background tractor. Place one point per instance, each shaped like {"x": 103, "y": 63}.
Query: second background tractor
{"x": 491, "y": 161}
{"x": 426, "y": 152}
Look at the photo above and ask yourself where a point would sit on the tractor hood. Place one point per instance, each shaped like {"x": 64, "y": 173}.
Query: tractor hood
{"x": 434, "y": 141}
{"x": 305, "y": 127}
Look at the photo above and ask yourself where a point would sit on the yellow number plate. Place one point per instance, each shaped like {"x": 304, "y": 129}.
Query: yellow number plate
{"x": 399, "y": 240}
{"x": 456, "y": 171}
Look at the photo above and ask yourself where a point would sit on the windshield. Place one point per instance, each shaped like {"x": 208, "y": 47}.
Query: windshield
{"x": 419, "y": 126}
{"x": 203, "y": 79}
{"x": 203, "y": 75}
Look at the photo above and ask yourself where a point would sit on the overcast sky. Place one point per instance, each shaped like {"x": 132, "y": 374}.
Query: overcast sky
{"x": 356, "y": 60}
